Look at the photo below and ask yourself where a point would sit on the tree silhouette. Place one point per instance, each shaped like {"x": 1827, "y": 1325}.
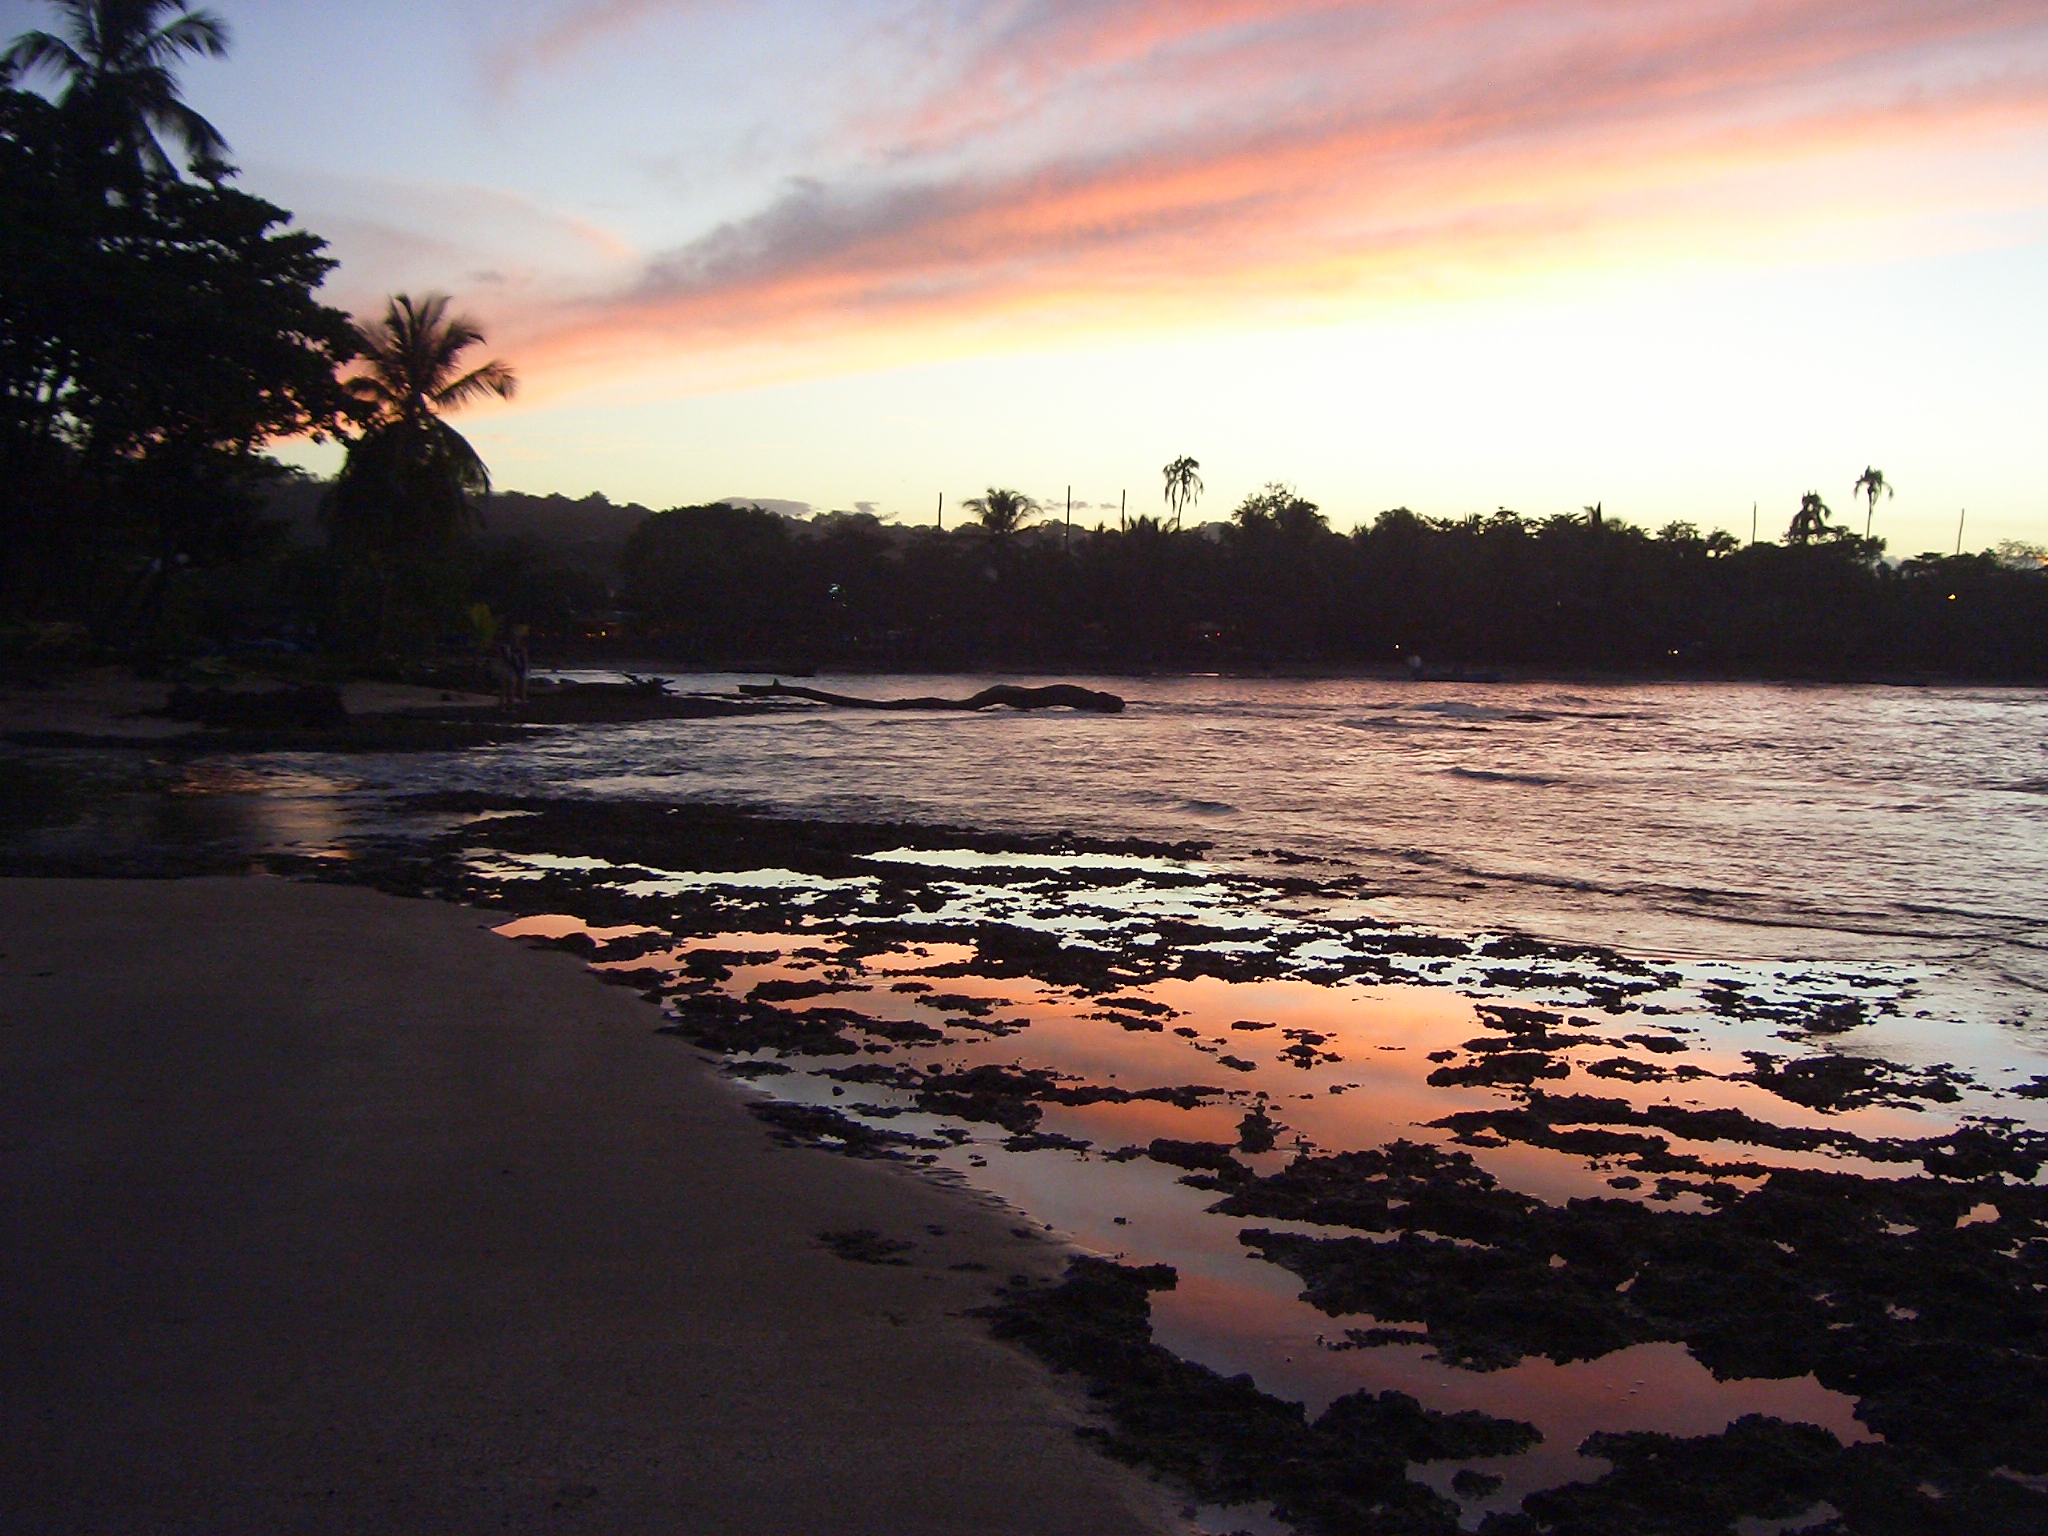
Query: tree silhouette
{"x": 1810, "y": 522}
{"x": 119, "y": 89}
{"x": 1183, "y": 486}
{"x": 1001, "y": 512}
{"x": 1278, "y": 508}
{"x": 1595, "y": 517}
{"x": 1872, "y": 484}
{"x": 407, "y": 484}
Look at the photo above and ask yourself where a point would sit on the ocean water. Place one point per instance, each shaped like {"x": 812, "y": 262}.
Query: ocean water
{"x": 1715, "y": 821}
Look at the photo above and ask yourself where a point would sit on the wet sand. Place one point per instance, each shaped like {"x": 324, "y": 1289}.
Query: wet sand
{"x": 322, "y": 1210}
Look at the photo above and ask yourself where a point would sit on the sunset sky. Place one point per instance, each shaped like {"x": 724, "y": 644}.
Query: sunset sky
{"x": 1675, "y": 257}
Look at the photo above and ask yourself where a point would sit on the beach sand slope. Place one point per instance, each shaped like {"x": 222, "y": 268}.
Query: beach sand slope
{"x": 326, "y": 1211}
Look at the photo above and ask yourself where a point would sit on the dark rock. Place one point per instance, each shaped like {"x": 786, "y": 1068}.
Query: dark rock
{"x": 864, "y": 1245}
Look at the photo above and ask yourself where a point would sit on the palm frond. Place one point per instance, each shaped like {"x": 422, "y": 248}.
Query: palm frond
{"x": 448, "y": 341}
{"x": 85, "y": 20}
{"x": 143, "y": 145}
{"x": 371, "y": 388}
{"x": 195, "y": 32}
{"x": 203, "y": 142}
{"x": 44, "y": 50}
{"x": 456, "y": 451}
{"x": 493, "y": 378}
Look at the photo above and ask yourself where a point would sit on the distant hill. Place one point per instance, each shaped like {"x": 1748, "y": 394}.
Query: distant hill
{"x": 586, "y": 535}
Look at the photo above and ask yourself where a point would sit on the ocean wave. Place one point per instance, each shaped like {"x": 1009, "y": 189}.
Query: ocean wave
{"x": 1396, "y": 723}
{"x": 1181, "y": 804}
{"x": 1502, "y": 776}
{"x": 1459, "y": 709}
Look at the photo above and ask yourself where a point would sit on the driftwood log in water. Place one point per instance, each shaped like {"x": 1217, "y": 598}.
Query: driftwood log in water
{"x": 1058, "y": 696}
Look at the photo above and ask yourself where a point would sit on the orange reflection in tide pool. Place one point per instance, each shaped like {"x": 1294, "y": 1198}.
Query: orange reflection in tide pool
{"x": 1340, "y": 1067}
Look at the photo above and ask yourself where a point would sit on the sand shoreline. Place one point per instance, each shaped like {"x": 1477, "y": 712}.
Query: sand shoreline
{"x": 309, "y": 1225}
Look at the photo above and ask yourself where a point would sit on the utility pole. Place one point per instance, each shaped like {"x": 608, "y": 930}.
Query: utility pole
{"x": 1122, "y": 498}
{"x": 1068, "y": 532}
{"x": 1752, "y": 522}
{"x": 1959, "y": 531}
{"x": 942, "y": 511}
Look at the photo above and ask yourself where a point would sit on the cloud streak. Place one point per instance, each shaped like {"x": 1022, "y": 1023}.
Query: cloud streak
{"x": 1071, "y": 165}
{"x": 580, "y": 25}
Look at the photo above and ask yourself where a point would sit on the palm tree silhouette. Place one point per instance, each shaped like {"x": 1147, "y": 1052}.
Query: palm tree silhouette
{"x": 1183, "y": 486}
{"x": 119, "y": 88}
{"x": 408, "y": 480}
{"x": 1001, "y": 512}
{"x": 1871, "y": 483}
{"x": 1810, "y": 521}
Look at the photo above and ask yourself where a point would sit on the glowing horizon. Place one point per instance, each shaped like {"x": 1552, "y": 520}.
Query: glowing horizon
{"x": 1452, "y": 255}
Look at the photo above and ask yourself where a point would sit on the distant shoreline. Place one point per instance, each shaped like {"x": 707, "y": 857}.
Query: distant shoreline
{"x": 644, "y": 664}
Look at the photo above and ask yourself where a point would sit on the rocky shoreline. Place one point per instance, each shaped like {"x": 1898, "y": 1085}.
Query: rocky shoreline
{"x": 877, "y": 989}
{"x": 1909, "y": 1284}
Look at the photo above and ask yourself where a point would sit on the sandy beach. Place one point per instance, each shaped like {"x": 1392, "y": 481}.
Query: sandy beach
{"x": 321, "y": 1210}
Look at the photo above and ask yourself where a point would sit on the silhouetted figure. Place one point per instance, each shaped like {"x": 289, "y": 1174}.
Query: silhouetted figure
{"x": 508, "y": 667}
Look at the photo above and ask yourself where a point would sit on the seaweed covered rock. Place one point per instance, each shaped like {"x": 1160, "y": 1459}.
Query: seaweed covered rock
{"x": 721, "y": 1023}
{"x": 1763, "y": 1469}
{"x": 1405, "y": 1185}
{"x": 1342, "y": 1475}
{"x": 816, "y": 1125}
{"x": 1258, "y": 1131}
{"x": 1832, "y": 1083}
{"x": 1923, "y": 1298}
{"x": 1209, "y": 1163}
{"x": 1500, "y": 1069}
{"x": 1575, "y": 1123}
{"x": 1486, "y": 1307}
{"x": 1424, "y": 1434}
{"x": 995, "y": 1095}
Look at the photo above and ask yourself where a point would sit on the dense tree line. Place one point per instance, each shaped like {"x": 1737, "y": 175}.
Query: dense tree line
{"x": 1277, "y": 587}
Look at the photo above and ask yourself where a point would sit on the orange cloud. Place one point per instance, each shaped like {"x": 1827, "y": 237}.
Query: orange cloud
{"x": 1074, "y": 165}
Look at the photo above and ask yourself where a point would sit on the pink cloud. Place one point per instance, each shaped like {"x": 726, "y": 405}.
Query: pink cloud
{"x": 1073, "y": 163}
{"x": 581, "y": 25}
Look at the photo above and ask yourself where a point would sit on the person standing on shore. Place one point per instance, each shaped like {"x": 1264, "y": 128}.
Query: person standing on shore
{"x": 508, "y": 666}
{"x": 521, "y": 663}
